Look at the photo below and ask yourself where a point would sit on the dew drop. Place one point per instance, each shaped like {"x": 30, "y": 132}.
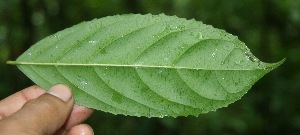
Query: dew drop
{"x": 161, "y": 70}
{"x": 56, "y": 47}
{"x": 139, "y": 63}
{"x": 237, "y": 62}
{"x": 247, "y": 55}
{"x": 166, "y": 29}
{"x": 199, "y": 36}
{"x": 268, "y": 68}
{"x": 92, "y": 41}
{"x": 213, "y": 54}
{"x": 29, "y": 54}
{"x": 251, "y": 57}
{"x": 181, "y": 47}
{"x": 83, "y": 83}
{"x": 255, "y": 59}
{"x": 173, "y": 28}
{"x": 56, "y": 36}
{"x": 161, "y": 116}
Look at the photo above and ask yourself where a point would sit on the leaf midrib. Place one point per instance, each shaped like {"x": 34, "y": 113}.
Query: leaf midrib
{"x": 123, "y": 65}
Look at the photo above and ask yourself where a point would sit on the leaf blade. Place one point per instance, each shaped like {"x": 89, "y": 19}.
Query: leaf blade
{"x": 146, "y": 65}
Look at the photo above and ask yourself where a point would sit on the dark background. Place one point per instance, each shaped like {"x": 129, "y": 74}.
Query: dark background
{"x": 270, "y": 28}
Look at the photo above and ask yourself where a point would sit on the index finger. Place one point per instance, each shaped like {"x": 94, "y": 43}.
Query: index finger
{"x": 15, "y": 102}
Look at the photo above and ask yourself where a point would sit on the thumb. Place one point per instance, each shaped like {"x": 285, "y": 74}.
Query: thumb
{"x": 43, "y": 115}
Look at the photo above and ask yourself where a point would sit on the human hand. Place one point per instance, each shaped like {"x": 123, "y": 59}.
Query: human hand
{"x": 33, "y": 111}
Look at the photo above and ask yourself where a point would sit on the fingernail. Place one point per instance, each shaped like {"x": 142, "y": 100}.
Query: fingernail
{"x": 61, "y": 91}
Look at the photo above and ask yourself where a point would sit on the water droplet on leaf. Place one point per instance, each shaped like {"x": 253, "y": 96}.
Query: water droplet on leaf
{"x": 199, "y": 36}
{"x": 83, "y": 83}
{"x": 237, "y": 62}
{"x": 56, "y": 36}
{"x": 213, "y": 54}
{"x": 92, "y": 41}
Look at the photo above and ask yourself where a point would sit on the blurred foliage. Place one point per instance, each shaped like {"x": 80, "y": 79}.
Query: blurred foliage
{"x": 270, "y": 28}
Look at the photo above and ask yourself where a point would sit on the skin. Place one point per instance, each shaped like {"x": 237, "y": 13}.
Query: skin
{"x": 33, "y": 111}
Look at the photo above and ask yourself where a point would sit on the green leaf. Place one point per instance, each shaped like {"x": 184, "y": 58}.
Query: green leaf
{"x": 145, "y": 65}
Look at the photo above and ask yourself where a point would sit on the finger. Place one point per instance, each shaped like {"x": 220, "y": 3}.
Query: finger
{"x": 78, "y": 115}
{"x": 14, "y": 102}
{"x": 43, "y": 115}
{"x": 82, "y": 129}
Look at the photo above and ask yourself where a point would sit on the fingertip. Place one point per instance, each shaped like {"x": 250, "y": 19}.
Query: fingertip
{"x": 78, "y": 115}
{"x": 82, "y": 129}
{"x": 61, "y": 91}
{"x": 82, "y": 110}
